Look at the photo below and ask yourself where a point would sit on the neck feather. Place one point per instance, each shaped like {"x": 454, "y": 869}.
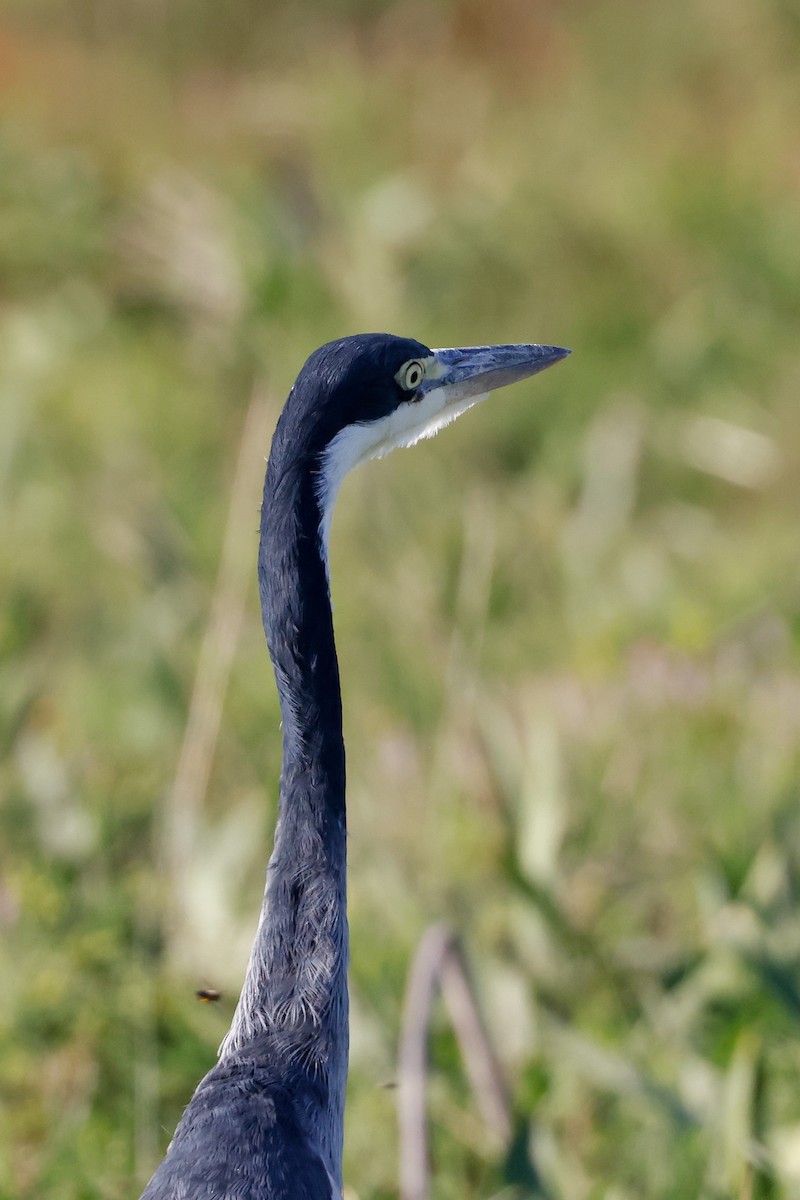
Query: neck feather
{"x": 295, "y": 991}
{"x": 296, "y": 610}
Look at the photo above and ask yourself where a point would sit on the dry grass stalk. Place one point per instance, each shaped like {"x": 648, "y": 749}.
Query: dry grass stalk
{"x": 439, "y": 964}
{"x": 185, "y": 799}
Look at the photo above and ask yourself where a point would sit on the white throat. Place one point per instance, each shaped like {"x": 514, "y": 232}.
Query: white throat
{"x": 405, "y": 425}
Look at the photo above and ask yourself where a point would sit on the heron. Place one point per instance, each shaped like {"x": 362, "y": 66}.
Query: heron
{"x": 267, "y": 1121}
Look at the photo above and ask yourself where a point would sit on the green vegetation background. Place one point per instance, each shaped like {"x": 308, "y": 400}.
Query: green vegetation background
{"x": 569, "y": 629}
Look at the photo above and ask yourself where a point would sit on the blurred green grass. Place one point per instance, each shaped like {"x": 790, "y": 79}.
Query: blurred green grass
{"x": 568, "y": 629}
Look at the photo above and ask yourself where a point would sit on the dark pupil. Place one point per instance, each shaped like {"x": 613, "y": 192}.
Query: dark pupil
{"x": 413, "y": 376}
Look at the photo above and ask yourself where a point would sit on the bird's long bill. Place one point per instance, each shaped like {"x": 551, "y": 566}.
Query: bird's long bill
{"x": 476, "y": 370}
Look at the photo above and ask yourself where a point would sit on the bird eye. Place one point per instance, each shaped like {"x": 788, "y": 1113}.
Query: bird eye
{"x": 412, "y": 375}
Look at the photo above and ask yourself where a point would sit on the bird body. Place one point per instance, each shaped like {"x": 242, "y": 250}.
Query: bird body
{"x": 267, "y": 1121}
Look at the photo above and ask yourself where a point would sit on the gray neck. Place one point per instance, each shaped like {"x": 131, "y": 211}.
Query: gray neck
{"x": 295, "y": 992}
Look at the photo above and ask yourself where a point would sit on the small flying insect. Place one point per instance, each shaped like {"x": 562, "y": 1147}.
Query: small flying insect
{"x": 208, "y": 995}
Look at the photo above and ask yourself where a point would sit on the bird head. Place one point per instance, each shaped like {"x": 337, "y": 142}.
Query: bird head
{"x": 360, "y": 397}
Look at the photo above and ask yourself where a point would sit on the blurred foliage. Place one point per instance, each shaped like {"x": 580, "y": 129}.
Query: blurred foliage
{"x": 568, "y": 630}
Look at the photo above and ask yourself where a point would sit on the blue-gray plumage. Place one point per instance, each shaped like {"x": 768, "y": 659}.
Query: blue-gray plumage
{"x": 267, "y": 1121}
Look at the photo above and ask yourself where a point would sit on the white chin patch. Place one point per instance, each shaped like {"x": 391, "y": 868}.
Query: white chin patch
{"x": 407, "y": 424}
